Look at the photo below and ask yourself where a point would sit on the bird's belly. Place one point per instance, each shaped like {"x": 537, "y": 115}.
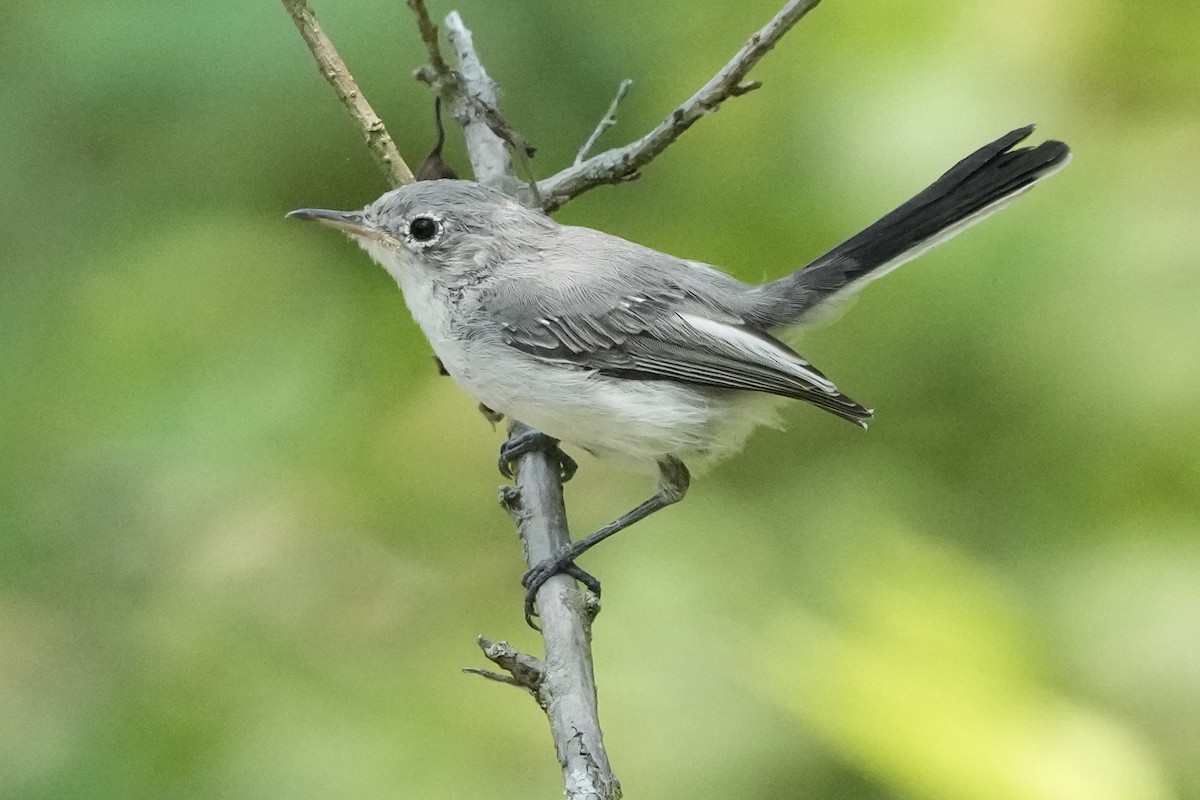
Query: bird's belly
{"x": 638, "y": 421}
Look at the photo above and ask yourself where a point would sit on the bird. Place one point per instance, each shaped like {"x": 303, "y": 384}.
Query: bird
{"x": 630, "y": 353}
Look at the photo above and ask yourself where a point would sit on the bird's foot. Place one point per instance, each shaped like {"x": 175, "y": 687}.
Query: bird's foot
{"x": 531, "y": 441}
{"x": 544, "y": 571}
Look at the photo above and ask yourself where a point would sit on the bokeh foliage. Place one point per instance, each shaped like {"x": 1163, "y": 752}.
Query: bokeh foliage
{"x": 247, "y": 533}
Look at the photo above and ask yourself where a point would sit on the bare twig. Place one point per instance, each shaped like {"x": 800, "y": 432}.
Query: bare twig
{"x": 567, "y": 687}
{"x": 379, "y": 142}
{"x": 508, "y": 680}
{"x": 618, "y": 164}
{"x": 472, "y": 97}
{"x": 478, "y": 112}
{"x": 567, "y": 691}
{"x": 607, "y": 121}
{"x": 429, "y": 35}
{"x": 524, "y": 671}
{"x": 469, "y": 92}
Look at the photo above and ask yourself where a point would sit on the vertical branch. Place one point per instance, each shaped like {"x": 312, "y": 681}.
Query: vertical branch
{"x": 471, "y": 95}
{"x": 567, "y": 689}
{"x": 564, "y": 684}
{"x": 488, "y": 153}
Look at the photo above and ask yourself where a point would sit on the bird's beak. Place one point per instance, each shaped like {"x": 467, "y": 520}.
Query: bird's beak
{"x": 349, "y": 222}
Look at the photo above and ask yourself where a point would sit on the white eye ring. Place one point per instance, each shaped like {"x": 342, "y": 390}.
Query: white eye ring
{"x": 423, "y": 230}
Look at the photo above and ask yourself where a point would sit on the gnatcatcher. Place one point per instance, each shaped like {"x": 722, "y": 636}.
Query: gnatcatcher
{"x": 628, "y": 352}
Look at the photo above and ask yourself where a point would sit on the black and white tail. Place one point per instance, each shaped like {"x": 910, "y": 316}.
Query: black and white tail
{"x": 979, "y": 185}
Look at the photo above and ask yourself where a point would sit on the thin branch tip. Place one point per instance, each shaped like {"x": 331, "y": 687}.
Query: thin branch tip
{"x": 607, "y": 121}
{"x": 495, "y": 676}
{"x": 429, "y": 35}
{"x": 615, "y": 165}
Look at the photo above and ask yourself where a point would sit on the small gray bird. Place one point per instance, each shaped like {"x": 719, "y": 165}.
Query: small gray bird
{"x": 631, "y": 353}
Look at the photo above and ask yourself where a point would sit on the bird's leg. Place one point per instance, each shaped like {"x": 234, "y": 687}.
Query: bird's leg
{"x": 673, "y": 480}
{"x": 531, "y": 441}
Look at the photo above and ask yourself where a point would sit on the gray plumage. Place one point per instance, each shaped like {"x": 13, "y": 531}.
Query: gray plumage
{"x": 521, "y": 288}
{"x": 630, "y": 352}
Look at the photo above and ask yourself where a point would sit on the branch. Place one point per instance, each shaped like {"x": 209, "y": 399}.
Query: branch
{"x": 379, "y": 142}
{"x": 429, "y": 35}
{"x": 607, "y": 121}
{"x": 620, "y": 164}
{"x": 471, "y": 95}
{"x": 566, "y": 690}
{"x": 524, "y": 671}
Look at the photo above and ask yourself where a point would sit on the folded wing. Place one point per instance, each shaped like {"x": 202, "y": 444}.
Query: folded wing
{"x": 651, "y": 338}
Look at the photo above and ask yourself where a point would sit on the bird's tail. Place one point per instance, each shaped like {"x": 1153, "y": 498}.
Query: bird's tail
{"x": 979, "y": 185}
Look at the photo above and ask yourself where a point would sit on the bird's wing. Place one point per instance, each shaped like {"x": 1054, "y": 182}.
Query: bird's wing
{"x": 669, "y": 336}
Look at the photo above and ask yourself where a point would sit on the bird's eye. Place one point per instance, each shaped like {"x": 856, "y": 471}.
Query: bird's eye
{"x": 424, "y": 229}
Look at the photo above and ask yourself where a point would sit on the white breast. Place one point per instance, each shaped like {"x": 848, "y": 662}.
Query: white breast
{"x": 636, "y": 421}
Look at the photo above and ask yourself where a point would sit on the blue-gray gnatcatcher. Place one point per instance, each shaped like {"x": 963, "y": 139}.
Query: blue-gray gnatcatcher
{"x": 628, "y": 352}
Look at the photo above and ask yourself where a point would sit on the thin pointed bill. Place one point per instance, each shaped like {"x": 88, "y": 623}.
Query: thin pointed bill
{"x": 348, "y": 222}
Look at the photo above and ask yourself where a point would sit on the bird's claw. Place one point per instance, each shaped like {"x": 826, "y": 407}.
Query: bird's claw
{"x": 531, "y": 441}
{"x": 536, "y": 577}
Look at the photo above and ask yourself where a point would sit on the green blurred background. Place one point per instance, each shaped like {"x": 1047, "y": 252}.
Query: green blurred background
{"x": 248, "y": 534}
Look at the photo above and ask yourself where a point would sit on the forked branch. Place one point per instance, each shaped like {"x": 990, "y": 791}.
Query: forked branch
{"x": 607, "y": 121}
{"x": 623, "y": 163}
